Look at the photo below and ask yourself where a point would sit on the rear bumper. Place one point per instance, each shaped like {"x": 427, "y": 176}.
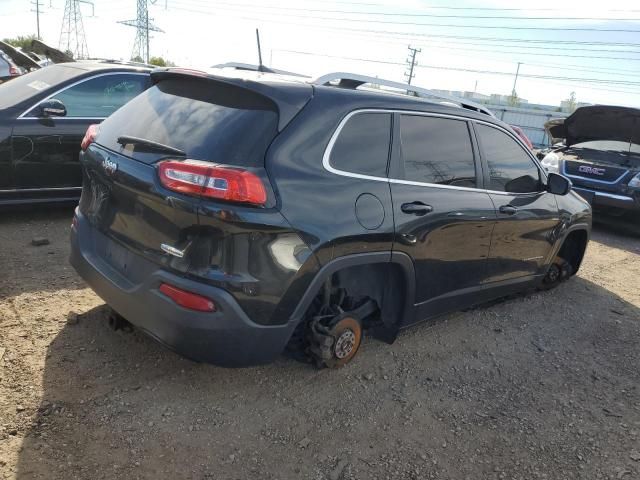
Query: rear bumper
{"x": 226, "y": 337}
{"x": 607, "y": 199}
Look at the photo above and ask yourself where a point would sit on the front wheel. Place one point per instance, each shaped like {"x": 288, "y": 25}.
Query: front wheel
{"x": 335, "y": 345}
{"x": 558, "y": 272}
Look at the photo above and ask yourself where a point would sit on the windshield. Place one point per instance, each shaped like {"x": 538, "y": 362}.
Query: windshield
{"x": 609, "y": 146}
{"x": 205, "y": 120}
{"x": 25, "y": 86}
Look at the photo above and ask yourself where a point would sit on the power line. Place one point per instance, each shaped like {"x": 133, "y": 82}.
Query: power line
{"x": 407, "y": 35}
{"x": 595, "y": 57}
{"x": 490, "y": 72}
{"x": 564, "y": 66}
{"x": 442, "y": 25}
{"x": 425, "y": 15}
{"x": 339, "y": 19}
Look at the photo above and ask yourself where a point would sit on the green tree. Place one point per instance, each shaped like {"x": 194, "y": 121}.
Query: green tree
{"x": 514, "y": 101}
{"x": 161, "y": 62}
{"x": 572, "y": 102}
{"x": 20, "y": 41}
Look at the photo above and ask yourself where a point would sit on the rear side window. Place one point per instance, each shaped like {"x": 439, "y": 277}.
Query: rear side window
{"x": 207, "y": 120}
{"x": 437, "y": 150}
{"x": 100, "y": 96}
{"x": 363, "y": 145}
{"x": 510, "y": 168}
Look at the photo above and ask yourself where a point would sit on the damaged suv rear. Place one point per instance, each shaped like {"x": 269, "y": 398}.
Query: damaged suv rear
{"x": 601, "y": 156}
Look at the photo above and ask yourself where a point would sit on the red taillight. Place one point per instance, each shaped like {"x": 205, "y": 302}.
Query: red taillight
{"x": 13, "y": 71}
{"x": 187, "y": 299}
{"x": 89, "y": 137}
{"x": 212, "y": 181}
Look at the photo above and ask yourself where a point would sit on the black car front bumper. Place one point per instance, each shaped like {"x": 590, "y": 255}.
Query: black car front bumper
{"x": 226, "y": 337}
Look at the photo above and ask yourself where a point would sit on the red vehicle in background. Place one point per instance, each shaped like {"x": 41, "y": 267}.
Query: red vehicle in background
{"x": 523, "y": 136}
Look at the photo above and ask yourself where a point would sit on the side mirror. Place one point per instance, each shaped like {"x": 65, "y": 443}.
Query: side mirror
{"x": 52, "y": 108}
{"x": 557, "y": 184}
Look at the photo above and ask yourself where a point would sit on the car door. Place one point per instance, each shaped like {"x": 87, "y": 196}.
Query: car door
{"x": 46, "y": 148}
{"x": 443, "y": 217}
{"x": 527, "y": 215}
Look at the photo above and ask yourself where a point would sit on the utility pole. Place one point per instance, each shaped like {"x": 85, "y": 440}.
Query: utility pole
{"x": 37, "y": 5}
{"x": 515, "y": 80}
{"x": 411, "y": 61}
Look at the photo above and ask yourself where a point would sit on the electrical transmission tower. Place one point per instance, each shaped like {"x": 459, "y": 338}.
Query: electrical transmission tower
{"x": 72, "y": 37}
{"x": 411, "y": 62}
{"x": 143, "y": 26}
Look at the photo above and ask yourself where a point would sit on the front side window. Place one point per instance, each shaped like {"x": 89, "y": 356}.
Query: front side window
{"x": 363, "y": 145}
{"x": 99, "y": 97}
{"x": 437, "y": 150}
{"x": 510, "y": 168}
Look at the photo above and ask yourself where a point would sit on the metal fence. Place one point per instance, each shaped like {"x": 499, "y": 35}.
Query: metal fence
{"x": 530, "y": 120}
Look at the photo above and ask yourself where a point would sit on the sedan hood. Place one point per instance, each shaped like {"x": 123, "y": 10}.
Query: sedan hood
{"x": 597, "y": 123}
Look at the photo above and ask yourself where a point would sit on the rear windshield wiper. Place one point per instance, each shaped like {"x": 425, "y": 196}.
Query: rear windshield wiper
{"x": 149, "y": 145}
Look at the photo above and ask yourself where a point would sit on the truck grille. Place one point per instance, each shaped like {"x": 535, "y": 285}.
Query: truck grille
{"x": 590, "y": 171}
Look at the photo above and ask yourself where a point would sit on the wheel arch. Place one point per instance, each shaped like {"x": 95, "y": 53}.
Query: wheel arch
{"x": 397, "y": 262}
{"x": 576, "y": 235}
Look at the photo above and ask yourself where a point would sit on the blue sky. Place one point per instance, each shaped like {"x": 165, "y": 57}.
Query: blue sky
{"x": 460, "y": 42}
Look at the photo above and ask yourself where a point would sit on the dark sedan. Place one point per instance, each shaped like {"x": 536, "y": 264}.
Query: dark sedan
{"x": 43, "y": 118}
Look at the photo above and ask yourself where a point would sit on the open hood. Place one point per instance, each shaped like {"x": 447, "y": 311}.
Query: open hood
{"x": 19, "y": 58}
{"x": 599, "y": 122}
{"x": 55, "y": 55}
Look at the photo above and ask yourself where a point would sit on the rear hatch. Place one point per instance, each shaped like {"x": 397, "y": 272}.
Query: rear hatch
{"x": 194, "y": 125}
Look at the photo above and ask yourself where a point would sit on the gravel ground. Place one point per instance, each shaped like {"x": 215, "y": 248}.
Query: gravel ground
{"x": 544, "y": 385}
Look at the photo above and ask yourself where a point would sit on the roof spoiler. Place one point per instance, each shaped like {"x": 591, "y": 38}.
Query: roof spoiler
{"x": 289, "y": 102}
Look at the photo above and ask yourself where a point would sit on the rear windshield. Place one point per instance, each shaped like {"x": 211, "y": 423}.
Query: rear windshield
{"x": 25, "y": 86}
{"x": 207, "y": 120}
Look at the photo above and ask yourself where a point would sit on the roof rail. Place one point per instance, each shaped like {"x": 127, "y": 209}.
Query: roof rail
{"x": 354, "y": 80}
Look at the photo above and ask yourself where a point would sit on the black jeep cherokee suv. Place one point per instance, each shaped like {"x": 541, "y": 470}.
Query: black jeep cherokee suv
{"x": 234, "y": 218}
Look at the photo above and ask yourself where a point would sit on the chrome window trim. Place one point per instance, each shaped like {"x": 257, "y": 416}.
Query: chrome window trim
{"x": 327, "y": 152}
{"x": 57, "y": 92}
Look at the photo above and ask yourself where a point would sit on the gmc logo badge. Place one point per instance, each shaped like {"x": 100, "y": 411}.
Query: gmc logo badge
{"x": 591, "y": 170}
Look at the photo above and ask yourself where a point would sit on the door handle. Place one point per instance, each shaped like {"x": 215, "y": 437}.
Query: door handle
{"x": 416, "y": 208}
{"x": 508, "y": 209}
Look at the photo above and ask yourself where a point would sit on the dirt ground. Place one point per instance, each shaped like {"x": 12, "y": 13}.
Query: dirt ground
{"x": 546, "y": 385}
